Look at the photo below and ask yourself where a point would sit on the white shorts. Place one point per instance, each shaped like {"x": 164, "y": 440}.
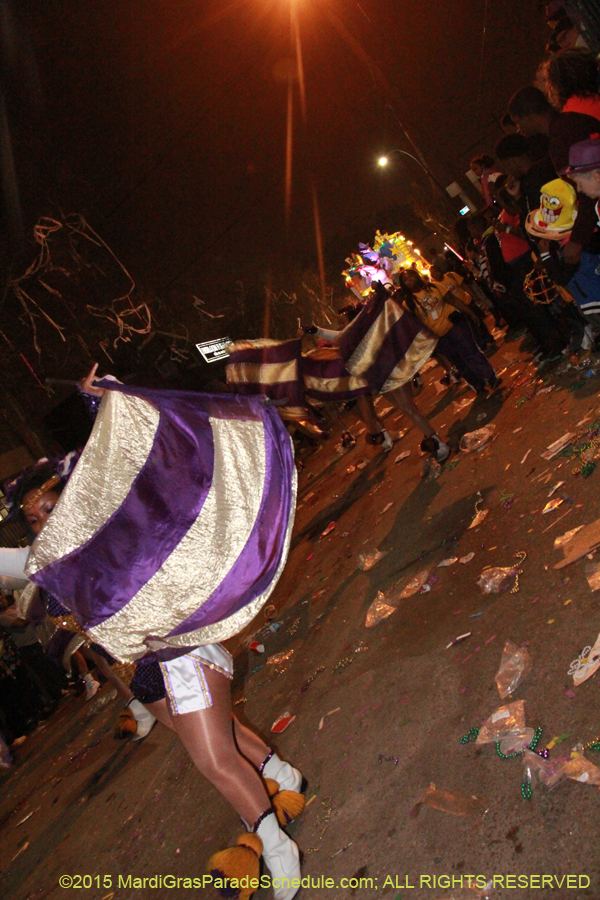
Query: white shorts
{"x": 185, "y": 681}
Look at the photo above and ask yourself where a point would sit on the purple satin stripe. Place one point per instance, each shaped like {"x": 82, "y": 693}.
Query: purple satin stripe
{"x": 257, "y": 564}
{"x": 354, "y": 333}
{"x": 393, "y": 349}
{"x": 293, "y": 390}
{"x": 165, "y": 499}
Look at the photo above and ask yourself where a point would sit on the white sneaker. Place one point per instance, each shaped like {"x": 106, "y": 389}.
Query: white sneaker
{"x": 387, "y": 442}
{"x": 91, "y": 687}
{"x": 443, "y": 450}
{"x": 144, "y": 718}
{"x": 287, "y": 777}
{"x": 281, "y": 856}
{"x": 588, "y": 338}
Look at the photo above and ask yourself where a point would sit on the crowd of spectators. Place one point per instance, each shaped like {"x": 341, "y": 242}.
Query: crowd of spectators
{"x": 534, "y": 275}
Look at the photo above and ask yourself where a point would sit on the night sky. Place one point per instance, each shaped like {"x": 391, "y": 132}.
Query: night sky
{"x": 164, "y": 123}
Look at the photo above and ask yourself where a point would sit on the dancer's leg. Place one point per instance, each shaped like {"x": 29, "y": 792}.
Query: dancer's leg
{"x": 207, "y": 735}
{"x": 403, "y": 399}
{"x": 160, "y": 710}
{"x": 249, "y": 744}
{"x": 366, "y": 410}
{"x": 105, "y": 670}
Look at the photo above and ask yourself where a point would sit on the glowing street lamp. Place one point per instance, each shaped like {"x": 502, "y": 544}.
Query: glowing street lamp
{"x": 383, "y": 161}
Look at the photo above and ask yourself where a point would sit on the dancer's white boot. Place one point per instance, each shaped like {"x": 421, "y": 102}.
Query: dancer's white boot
{"x": 281, "y": 856}
{"x": 288, "y": 778}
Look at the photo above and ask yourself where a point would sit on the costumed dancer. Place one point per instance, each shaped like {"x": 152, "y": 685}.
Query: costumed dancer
{"x": 170, "y": 536}
{"x": 444, "y": 314}
{"x": 380, "y": 351}
{"x": 376, "y": 430}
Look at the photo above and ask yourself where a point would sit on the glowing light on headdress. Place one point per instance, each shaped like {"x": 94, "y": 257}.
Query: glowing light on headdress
{"x": 389, "y": 254}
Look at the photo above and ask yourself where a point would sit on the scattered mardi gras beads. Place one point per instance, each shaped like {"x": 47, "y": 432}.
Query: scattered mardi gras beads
{"x": 526, "y": 791}
{"x": 531, "y": 746}
{"x": 471, "y": 735}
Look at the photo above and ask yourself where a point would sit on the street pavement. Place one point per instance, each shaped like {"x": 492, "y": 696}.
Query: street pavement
{"x": 379, "y": 711}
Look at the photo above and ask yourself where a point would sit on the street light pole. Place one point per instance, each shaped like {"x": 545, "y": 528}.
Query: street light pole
{"x": 383, "y": 161}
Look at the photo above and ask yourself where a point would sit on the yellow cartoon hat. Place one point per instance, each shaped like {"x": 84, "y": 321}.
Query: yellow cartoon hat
{"x": 556, "y": 216}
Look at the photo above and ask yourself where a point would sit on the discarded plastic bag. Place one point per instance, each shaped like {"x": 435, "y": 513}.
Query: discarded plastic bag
{"x": 366, "y": 561}
{"x": 566, "y": 537}
{"x": 414, "y": 585}
{"x": 578, "y": 768}
{"x": 378, "y": 611}
{"x": 475, "y": 440}
{"x": 515, "y": 665}
{"x": 592, "y": 573}
{"x": 452, "y": 802}
{"x": 517, "y": 740}
{"x": 478, "y": 518}
{"x": 552, "y": 505}
{"x": 537, "y": 770}
{"x": 502, "y": 722}
{"x": 554, "y": 449}
{"x": 495, "y": 578}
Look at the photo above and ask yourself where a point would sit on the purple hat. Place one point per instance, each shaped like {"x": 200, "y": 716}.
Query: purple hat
{"x": 584, "y": 156}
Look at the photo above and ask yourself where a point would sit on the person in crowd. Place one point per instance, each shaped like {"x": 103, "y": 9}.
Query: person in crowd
{"x": 565, "y": 36}
{"x": 19, "y": 700}
{"x": 446, "y": 316}
{"x": 495, "y": 273}
{"x": 435, "y": 258}
{"x": 484, "y": 166}
{"x": 456, "y": 286}
{"x": 511, "y": 275}
{"x": 572, "y": 82}
{"x": 45, "y": 676}
{"x": 508, "y": 125}
{"x": 535, "y": 115}
{"x": 584, "y": 168}
{"x": 531, "y": 111}
{"x": 513, "y": 153}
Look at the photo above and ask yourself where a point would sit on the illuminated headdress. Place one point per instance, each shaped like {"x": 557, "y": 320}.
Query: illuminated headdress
{"x": 389, "y": 254}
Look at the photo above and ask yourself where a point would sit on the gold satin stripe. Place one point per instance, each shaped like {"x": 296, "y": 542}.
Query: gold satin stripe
{"x": 327, "y": 353}
{"x": 366, "y": 353}
{"x": 334, "y": 385}
{"x": 237, "y": 622}
{"x": 418, "y": 353}
{"x": 205, "y": 554}
{"x": 116, "y": 450}
{"x": 292, "y": 413}
{"x": 262, "y": 373}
